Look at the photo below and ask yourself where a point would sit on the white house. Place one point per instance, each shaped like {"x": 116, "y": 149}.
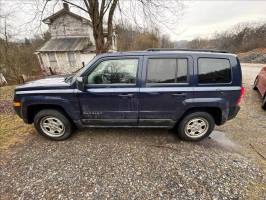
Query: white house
{"x": 71, "y": 42}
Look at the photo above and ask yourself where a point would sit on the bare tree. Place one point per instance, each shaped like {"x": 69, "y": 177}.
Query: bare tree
{"x": 165, "y": 42}
{"x": 16, "y": 57}
{"x": 240, "y": 38}
{"x": 6, "y": 63}
{"x": 143, "y": 13}
{"x": 98, "y": 11}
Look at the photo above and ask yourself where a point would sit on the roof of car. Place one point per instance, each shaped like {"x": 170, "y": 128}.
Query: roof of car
{"x": 201, "y": 52}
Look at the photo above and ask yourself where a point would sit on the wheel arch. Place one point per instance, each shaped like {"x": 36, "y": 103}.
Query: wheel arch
{"x": 215, "y": 112}
{"x": 32, "y": 110}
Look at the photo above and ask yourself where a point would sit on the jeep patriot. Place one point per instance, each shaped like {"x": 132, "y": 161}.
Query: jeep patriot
{"x": 189, "y": 91}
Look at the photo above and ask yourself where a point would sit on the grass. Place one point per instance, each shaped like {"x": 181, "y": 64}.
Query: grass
{"x": 12, "y": 129}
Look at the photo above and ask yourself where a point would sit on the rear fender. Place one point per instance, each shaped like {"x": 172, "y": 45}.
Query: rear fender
{"x": 201, "y": 103}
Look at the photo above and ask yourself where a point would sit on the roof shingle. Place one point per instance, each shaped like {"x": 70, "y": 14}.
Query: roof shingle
{"x": 67, "y": 44}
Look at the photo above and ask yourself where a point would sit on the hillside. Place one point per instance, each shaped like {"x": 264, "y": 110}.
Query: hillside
{"x": 254, "y": 56}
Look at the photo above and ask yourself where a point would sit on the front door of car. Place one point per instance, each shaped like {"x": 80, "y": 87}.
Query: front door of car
{"x": 166, "y": 88}
{"x": 111, "y": 92}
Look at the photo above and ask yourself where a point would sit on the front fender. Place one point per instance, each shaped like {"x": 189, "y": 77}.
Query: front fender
{"x": 68, "y": 104}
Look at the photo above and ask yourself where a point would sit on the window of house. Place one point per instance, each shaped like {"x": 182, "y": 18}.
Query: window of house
{"x": 71, "y": 59}
{"x": 167, "y": 70}
{"x": 52, "y": 59}
{"x": 214, "y": 70}
{"x": 122, "y": 71}
{"x": 40, "y": 59}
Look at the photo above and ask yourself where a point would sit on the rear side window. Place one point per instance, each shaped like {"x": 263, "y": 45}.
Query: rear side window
{"x": 214, "y": 70}
{"x": 167, "y": 70}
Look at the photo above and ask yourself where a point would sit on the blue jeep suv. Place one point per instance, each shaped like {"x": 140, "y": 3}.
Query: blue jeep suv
{"x": 189, "y": 91}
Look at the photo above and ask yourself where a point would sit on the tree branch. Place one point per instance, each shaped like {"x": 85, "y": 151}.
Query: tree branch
{"x": 73, "y": 4}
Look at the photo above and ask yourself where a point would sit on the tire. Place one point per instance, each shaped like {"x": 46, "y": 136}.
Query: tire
{"x": 255, "y": 84}
{"x": 264, "y": 102}
{"x": 191, "y": 127}
{"x": 53, "y": 124}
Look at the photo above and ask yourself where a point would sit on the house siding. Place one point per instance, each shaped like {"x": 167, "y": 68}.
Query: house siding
{"x": 68, "y": 26}
{"x": 63, "y": 65}
{"x": 70, "y": 33}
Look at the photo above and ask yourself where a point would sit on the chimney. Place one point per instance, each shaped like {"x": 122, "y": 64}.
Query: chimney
{"x": 66, "y": 6}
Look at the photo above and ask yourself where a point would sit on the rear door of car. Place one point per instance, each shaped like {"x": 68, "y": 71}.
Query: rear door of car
{"x": 165, "y": 88}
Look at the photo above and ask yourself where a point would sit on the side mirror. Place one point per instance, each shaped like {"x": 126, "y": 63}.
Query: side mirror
{"x": 80, "y": 83}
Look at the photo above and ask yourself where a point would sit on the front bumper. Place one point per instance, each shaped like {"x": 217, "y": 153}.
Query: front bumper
{"x": 18, "y": 111}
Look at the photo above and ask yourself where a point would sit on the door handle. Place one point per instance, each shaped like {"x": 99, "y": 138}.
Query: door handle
{"x": 179, "y": 94}
{"x": 126, "y": 95}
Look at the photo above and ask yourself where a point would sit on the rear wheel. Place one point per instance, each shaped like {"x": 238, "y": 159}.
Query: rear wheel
{"x": 196, "y": 126}
{"x": 53, "y": 124}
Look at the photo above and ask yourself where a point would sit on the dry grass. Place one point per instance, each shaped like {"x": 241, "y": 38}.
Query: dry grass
{"x": 12, "y": 129}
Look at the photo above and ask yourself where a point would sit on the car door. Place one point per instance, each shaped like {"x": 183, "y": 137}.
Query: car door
{"x": 261, "y": 85}
{"x": 111, "y": 94}
{"x": 166, "y": 81}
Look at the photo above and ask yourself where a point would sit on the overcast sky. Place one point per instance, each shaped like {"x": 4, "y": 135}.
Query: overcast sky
{"x": 199, "y": 19}
{"x": 203, "y": 18}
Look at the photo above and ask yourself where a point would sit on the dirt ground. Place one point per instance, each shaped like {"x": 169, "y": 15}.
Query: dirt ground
{"x": 136, "y": 163}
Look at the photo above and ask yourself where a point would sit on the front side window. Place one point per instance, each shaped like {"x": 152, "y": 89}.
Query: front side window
{"x": 122, "y": 71}
{"x": 214, "y": 70}
{"x": 167, "y": 70}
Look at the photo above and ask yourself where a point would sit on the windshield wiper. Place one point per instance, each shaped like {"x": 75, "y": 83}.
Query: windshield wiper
{"x": 69, "y": 78}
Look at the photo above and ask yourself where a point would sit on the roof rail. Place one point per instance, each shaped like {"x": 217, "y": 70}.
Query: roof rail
{"x": 173, "y": 49}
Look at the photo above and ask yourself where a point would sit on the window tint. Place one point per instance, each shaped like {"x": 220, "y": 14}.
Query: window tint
{"x": 167, "y": 70}
{"x": 211, "y": 70}
{"x": 114, "y": 72}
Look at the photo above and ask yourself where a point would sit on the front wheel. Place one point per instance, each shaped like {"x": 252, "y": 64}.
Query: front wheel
{"x": 196, "y": 126}
{"x": 53, "y": 124}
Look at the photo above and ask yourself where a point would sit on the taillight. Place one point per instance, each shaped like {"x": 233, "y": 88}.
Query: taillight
{"x": 242, "y": 91}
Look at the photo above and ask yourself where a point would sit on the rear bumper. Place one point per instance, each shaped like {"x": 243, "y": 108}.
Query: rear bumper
{"x": 233, "y": 111}
{"x": 229, "y": 114}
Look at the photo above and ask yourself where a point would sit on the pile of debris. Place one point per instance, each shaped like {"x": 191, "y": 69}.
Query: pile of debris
{"x": 254, "y": 56}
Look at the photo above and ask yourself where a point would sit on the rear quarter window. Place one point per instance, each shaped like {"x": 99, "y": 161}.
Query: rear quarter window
{"x": 214, "y": 70}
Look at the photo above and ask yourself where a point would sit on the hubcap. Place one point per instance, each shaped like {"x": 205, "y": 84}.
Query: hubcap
{"x": 196, "y": 127}
{"x": 52, "y": 126}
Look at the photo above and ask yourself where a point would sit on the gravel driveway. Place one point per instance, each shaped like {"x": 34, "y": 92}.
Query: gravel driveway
{"x": 142, "y": 163}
